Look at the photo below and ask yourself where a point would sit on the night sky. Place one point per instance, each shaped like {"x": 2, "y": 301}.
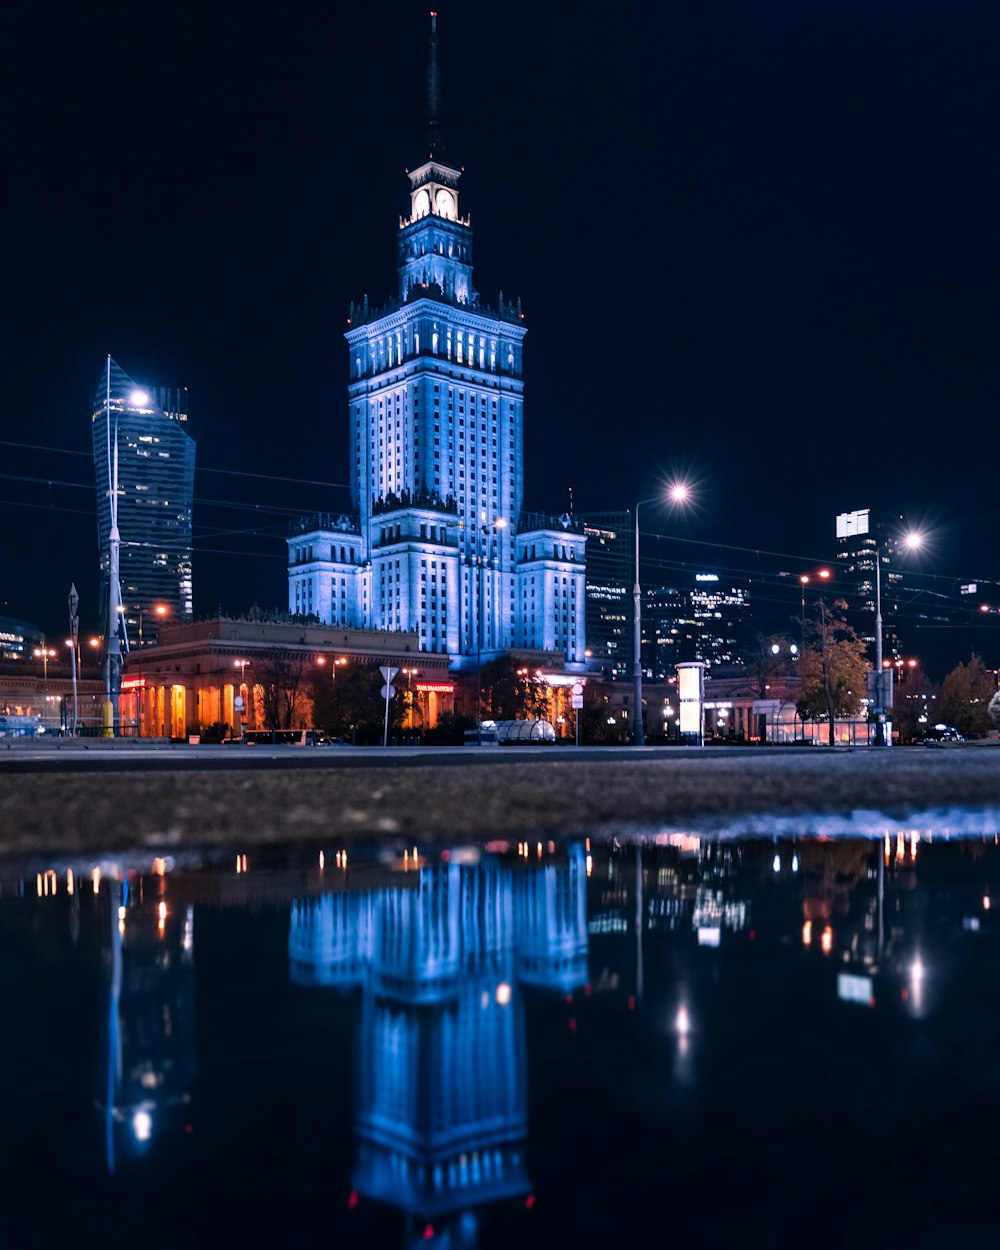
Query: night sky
{"x": 756, "y": 245}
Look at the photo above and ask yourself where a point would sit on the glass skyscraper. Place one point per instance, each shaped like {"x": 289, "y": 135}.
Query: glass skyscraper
{"x": 155, "y": 496}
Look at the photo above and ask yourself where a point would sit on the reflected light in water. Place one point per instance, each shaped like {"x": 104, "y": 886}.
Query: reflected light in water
{"x": 503, "y": 994}
{"x": 826, "y": 940}
{"x": 807, "y": 933}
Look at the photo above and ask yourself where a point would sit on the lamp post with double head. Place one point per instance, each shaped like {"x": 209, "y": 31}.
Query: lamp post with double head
{"x": 804, "y": 580}
{"x": 242, "y": 710}
{"x": 678, "y": 494}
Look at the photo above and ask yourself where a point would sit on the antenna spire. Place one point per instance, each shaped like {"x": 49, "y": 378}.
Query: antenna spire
{"x": 435, "y": 144}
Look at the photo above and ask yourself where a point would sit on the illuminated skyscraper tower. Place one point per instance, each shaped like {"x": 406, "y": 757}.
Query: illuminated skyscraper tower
{"x": 155, "y": 494}
{"x": 438, "y": 543}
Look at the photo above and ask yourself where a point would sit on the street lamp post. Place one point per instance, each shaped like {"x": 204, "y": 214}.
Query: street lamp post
{"x": 678, "y": 494}
{"x": 241, "y": 710}
{"x": 911, "y": 541}
{"x": 804, "y": 580}
{"x": 74, "y": 642}
{"x": 484, "y": 529}
{"x": 161, "y": 611}
{"x": 44, "y": 653}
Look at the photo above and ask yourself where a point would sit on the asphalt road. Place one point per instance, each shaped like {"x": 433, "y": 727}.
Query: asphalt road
{"x": 111, "y": 798}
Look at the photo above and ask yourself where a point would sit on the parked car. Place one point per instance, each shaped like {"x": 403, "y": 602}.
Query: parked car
{"x": 936, "y": 734}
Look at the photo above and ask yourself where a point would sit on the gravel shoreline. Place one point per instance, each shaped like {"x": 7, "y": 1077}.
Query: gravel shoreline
{"x": 53, "y": 812}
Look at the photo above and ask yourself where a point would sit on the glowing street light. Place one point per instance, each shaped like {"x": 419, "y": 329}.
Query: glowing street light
{"x": 679, "y": 493}
{"x": 161, "y": 611}
{"x": 242, "y": 665}
{"x": 804, "y": 580}
{"x": 911, "y": 541}
{"x": 44, "y": 654}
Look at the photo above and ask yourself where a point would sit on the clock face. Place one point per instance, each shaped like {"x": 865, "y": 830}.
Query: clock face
{"x": 421, "y": 204}
{"x": 445, "y": 204}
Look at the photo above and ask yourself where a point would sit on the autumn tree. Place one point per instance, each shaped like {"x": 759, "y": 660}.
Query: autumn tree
{"x": 964, "y": 698}
{"x": 833, "y": 667}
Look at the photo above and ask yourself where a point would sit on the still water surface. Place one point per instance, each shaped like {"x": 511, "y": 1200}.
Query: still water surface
{"x": 744, "y": 1043}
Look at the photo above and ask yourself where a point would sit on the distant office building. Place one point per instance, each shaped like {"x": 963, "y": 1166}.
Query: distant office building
{"x": 609, "y": 591}
{"x": 155, "y": 496}
{"x": 862, "y": 537}
{"x": 702, "y": 617}
{"x": 437, "y": 542}
{"x": 17, "y": 638}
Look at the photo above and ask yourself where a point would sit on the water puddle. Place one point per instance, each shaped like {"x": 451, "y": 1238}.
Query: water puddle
{"x": 761, "y": 1040}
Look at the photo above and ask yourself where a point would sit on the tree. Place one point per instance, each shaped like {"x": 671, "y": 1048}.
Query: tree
{"x": 911, "y": 698}
{"x": 509, "y": 692}
{"x": 350, "y": 696}
{"x": 768, "y": 659}
{"x": 833, "y": 667}
{"x": 965, "y": 697}
{"x": 278, "y": 681}
{"x": 994, "y": 710}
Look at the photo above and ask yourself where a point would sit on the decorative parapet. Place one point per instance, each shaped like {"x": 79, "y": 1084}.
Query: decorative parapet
{"x": 343, "y": 524}
{"x": 529, "y": 522}
{"x": 364, "y": 314}
{"x": 411, "y": 499}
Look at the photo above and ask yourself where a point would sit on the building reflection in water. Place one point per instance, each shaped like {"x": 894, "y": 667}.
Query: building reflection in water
{"x": 702, "y": 964}
{"x": 149, "y": 1054}
{"x": 440, "y": 1091}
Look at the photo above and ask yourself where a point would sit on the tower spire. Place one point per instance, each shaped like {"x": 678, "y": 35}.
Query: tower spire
{"x": 435, "y": 144}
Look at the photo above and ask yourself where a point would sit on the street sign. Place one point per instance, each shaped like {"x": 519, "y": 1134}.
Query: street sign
{"x": 388, "y": 673}
{"x": 577, "y": 687}
{"x": 388, "y": 692}
{"x": 578, "y": 700}
{"x": 238, "y": 703}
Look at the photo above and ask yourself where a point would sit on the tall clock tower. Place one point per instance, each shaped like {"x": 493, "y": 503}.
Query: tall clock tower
{"x": 435, "y": 402}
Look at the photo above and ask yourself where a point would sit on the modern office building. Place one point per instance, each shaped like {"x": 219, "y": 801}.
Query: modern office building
{"x": 609, "y": 591}
{"x": 437, "y": 541}
{"x": 863, "y": 537}
{"x": 702, "y": 616}
{"x": 155, "y": 496}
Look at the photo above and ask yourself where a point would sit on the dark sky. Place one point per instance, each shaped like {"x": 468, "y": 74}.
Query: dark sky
{"x": 756, "y": 244}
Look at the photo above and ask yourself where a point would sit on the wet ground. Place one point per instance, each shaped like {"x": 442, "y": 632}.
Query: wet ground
{"x": 65, "y": 800}
{"x": 512, "y": 1039}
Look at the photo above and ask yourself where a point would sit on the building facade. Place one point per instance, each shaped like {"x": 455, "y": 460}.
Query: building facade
{"x": 155, "y": 497}
{"x": 609, "y": 591}
{"x": 862, "y": 538}
{"x": 198, "y": 670}
{"x": 704, "y": 616}
{"x": 437, "y": 542}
